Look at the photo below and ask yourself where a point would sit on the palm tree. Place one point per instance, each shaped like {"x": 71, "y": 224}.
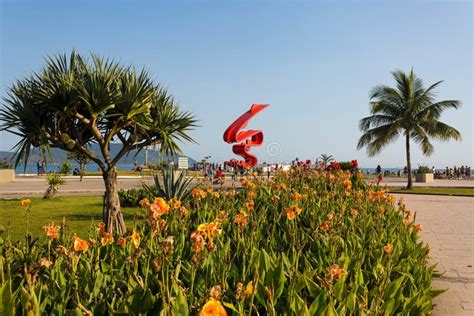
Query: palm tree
{"x": 408, "y": 109}
{"x": 73, "y": 102}
{"x": 325, "y": 159}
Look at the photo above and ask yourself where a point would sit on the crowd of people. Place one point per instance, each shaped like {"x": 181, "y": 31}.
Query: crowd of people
{"x": 463, "y": 172}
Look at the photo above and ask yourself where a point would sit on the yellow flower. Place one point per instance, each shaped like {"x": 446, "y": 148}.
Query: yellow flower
{"x": 213, "y": 308}
{"x": 52, "y": 231}
{"x": 79, "y": 244}
{"x": 136, "y": 239}
{"x": 388, "y": 248}
{"x": 249, "y": 290}
{"x": 25, "y": 202}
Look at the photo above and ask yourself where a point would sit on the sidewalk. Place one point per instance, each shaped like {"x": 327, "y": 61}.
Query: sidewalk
{"x": 447, "y": 226}
{"x": 93, "y": 185}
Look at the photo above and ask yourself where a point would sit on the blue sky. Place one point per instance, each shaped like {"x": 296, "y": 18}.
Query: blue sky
{"x": 314, "y": 62}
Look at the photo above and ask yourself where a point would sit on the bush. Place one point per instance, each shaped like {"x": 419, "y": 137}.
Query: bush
{"x": 132, "y": 197}
{"x": 424, "y": 169}
{"x": 169, "y": 186}
{"x": 5, "y": 165}
{"x": 54, "y": 181}
{"x": 65, "y": 168}
{"x": 303, "y": 243}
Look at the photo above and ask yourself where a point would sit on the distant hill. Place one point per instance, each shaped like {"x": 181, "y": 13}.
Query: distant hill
{"x": 60, "y": 155}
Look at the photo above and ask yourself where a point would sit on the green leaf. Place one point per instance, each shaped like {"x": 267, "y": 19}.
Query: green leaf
{"x": 180, "y": 306}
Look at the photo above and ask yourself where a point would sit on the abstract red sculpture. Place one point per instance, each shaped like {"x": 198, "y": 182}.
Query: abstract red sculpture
{"x": 246, "y": 139}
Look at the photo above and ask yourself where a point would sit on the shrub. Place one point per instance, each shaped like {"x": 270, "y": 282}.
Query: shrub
{"x": 132, "y": 197}
{"x": 304, "y": 243}
{"x": 54, "y": 181}
{"x": 65, "y": 168}
{"x": 5, "y": 165}
{"x": 424, "y": 169}
{"x": 169, "y": 186}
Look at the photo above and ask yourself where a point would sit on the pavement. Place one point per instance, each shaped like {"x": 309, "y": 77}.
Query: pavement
{"x": 437, "y": 183}
{"x": 94, "y": 185}
{"x": 447, "y": 226}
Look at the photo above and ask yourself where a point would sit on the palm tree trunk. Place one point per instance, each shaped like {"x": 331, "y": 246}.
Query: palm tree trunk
{"x": 113, "y": 218}
{"x": 81, "y": 171}
{"x": 410, "y": 180}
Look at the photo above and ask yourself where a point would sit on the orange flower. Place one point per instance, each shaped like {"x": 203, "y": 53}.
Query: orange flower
{"x": 79, "y": 244}
{"x": 198, "y": 242}
{"x": 159, "y": 207}
{"x": 292, "y": 211}
{"x": 251, "y": 195}
{"x": 213, "y": 308}
{"x": 406, "y": 222}
{"x": 144, "y": 202}
{"x": 101, "y": 228}
{"x": 45, "y": 262}
{"x": 241, "y": 219}
{"x": 347, "y": 184}
{"x": 249, "y": 205}
{"x": 121, "y": 241}
{"x": 324, "y": 225}
{"x": 199, "y": 194}
{"x": 330, "y": 216}
{"x": 417, "y": 227}
{"x": 335, "y": 271}
{"x": 107, "y": 238}
{"x": 175, "y": 203}
{"x": 388, "y": 248}
{"x": 381, "y": 209}
{"x": 52, "y": 231}
{"x": 25, "y": 202}
{"x": 290, "y": 215}
{"x": 407, "y": 213}
{"x": 135, "y": 239}
{"x": 354, "y": 212}
{"x": 297, "y": 196}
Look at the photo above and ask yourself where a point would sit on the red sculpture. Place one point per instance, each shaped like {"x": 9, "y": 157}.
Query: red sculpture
{"x": 246, "y": 139}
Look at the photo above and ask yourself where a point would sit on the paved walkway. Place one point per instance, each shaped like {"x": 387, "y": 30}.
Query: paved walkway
{"x": 402, "y": 182}
{"x": 448, "y": 227}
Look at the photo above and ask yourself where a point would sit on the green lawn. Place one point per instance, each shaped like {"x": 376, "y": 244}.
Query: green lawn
{"x": 436, "y": 191}
{"x": 81, "y": 213}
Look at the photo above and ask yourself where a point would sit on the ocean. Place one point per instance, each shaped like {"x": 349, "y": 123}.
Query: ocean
{"x": 91, "y": 167}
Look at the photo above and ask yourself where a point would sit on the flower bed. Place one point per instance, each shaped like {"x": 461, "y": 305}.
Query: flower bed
{"x": 306, "y": 243}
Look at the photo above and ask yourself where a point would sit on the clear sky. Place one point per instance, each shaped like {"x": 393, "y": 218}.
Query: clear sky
{"x": 314, "y": 62}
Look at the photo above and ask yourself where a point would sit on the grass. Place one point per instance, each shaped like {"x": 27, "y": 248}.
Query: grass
{"x": 436, "y": 191}
{"x": 81, "y": 212}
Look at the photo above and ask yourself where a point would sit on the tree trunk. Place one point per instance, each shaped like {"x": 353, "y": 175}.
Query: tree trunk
{"x": 81, "y": 171}
{"x": 113, "y": 218}
{"x": 410, "y": 180}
